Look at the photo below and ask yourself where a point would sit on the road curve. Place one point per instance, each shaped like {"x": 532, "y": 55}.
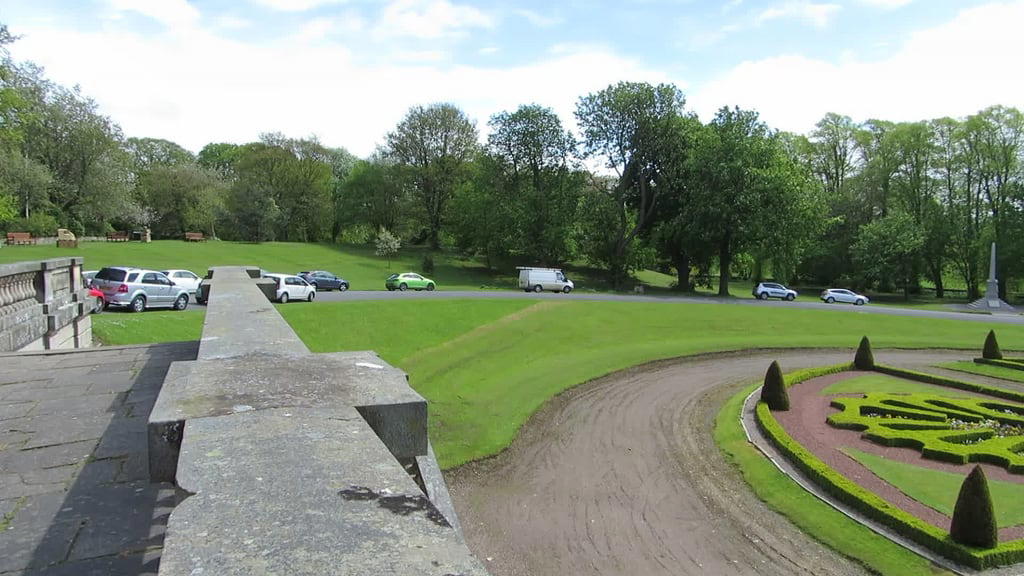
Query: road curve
{"x": 621, "y": 476}
{"x": 603, "y": 297}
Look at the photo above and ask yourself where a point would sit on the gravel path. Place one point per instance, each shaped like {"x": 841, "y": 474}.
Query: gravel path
{"x": 622, "y": 476}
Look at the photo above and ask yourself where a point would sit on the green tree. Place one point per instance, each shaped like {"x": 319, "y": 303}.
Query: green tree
{"x": 182, "y": 198}
{"x": 974, "y": 518}
{"x": 373, "y": 195}
{"x": 434, "y": 144}
{"x": 888, "y": 250}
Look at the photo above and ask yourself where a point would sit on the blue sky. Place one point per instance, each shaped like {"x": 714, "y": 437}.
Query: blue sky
{"x": 347, "y": 70}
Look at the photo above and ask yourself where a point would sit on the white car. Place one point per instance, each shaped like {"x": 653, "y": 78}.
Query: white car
{"x": 184, "y": 278}
{"x": 766, "y": 290}
{"x": 839, "y": 295}
{"x": 292, "y": 288}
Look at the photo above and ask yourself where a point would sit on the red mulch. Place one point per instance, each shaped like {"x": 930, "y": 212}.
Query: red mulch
{"x": 805, "y": 422}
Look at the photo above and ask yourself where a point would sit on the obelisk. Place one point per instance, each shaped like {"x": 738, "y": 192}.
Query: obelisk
{"x": 991, "y": 301}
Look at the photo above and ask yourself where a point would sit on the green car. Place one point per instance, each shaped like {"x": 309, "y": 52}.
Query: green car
{"x": 407, "y": 280}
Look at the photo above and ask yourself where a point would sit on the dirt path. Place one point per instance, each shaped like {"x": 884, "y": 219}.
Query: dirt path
{"x": 622, "y": 476}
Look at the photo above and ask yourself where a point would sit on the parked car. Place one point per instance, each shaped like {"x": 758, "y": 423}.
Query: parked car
{"x": 87, "y": 277}
{"x": 184, "y": 278}
{"x": 323, "y": 280}
{"x": 540, "y": 279}
{"x": 98, "y": 300}
{"x": 408, "y": 280}
{"x": 292, "y": 288}
{"x": 766, "y": 290}
{"x": 139, "y": 289}
{"x": 839, "y": 295}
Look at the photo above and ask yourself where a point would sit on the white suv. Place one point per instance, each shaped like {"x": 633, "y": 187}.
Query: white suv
{"x": 766, "y": 290}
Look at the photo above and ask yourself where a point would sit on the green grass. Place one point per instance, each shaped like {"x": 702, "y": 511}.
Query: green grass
{"x": 117, "y": 328}
{"x": 938, "y": 489}
{"x": 485, "y": 386}
{"x": 811, "y": 515}
{"x": 881, "y": 383}
{"x": 985, "y": 370}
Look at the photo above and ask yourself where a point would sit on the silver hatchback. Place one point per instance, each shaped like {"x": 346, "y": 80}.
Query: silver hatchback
{"x": 139, "y": 289}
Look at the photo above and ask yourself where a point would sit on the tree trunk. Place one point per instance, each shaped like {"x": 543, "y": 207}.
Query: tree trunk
{"x": 724, "y": 263}
{"x": 940, "y": 290}
{"x": 682, "y": 264}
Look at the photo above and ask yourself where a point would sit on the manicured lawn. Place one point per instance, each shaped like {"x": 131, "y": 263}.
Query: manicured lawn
{"x": 938, "y": 489}
{"x": 117, "y": 328}
{"x": 484, "y": 387}
{"x": 986, "y": 370}
{"x": 882, "y": 383}
{"x": 814, "y": 517}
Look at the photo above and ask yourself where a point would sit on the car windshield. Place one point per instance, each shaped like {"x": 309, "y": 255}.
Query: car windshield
{"x": 393, "y": 276}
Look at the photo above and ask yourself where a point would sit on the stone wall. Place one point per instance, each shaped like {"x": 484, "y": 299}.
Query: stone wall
{"x": 43, "y": 306}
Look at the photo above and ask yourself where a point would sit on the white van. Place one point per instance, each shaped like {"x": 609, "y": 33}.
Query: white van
{"x": 540, "y": 279}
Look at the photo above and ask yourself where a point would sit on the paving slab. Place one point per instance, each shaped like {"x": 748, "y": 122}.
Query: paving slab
{"x": 302, "y": 491}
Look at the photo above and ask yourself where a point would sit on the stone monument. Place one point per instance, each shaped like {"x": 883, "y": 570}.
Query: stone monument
{"x": 66, "y": 238}
{"x": 991, "y": 301}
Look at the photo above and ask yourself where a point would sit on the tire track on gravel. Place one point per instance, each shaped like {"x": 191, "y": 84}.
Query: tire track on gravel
{"x": 621, "y": 476}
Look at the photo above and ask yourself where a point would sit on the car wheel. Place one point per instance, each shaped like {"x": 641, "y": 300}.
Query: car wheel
{"x": 342, "y": 287}
{"x": 830, "y": 300}
{"x": 309, "y": 298}
{"x": 790, "y": 297}
{"x": 391, "y": 289}
{"x": 566, "y": 289}
{"x": 403, "y": 287}
{"x": 315, "y": 285}
{"x": 538, "y": 289}
{"x": 138, "y": 304}
{"x": 763, "y": 295}
{"x": 181, "y": 303}
{"x": 283, "y": 298}
{"x": 430, "y": 287}
{"x": 97, "y": 307}
{"x": 858, "y": 302}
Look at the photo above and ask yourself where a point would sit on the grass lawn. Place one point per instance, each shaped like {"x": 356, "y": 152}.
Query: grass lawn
{"x": 986, "y": 370}
{"x": 117, "y": 328}
{"x": 889, "y": 384}
{"x": 485, "y": 381}
{"x": 938, "y": 489}
{"x": 814, "y": 517}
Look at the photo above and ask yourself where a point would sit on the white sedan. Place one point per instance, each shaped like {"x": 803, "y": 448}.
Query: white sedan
{"x": 839, "y": 295}
{"x": 292, "y": 288}
{"x": 184, "y": 278}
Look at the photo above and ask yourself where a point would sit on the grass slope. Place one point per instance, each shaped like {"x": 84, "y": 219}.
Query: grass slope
{"x": 814, "y": 517}
{"x": 985, "y": 370}
{"x": 938, "y": 489}
{"x": 484, "y": 387}
{"x": 881, "y": 383}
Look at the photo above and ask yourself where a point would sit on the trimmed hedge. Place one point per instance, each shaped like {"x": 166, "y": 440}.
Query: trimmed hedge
{"x": 872, "y": 505}
{"x": 1003, "y": 363}
{"x": 991, "y": 349}
{"x": 950, "y": 383}
{"x": 864, "y": 359}
{"x": 773, "y": 391}
{"x": 974, "y": 519}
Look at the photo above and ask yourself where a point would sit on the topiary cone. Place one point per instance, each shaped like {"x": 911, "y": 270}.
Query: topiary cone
{"x": 864, "y": 360}
{"x": 974, "y": 520}
{"x": 773, "y": 392}
{"x": 991, "y": 350}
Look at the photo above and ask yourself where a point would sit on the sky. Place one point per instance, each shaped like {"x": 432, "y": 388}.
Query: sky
{"x": 347, "y": 71}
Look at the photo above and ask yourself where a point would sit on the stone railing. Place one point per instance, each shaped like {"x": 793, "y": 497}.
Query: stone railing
{"x": 295, "y": 463}
{"x": 43, "y": 306}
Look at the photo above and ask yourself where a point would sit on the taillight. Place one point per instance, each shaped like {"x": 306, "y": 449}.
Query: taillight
{"x": 122, "y": 289}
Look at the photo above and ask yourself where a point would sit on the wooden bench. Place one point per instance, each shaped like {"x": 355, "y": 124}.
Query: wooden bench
{"x": 20, "y": 238}
{"x": 117, "y": 237}
{"x": 194, "y": 237}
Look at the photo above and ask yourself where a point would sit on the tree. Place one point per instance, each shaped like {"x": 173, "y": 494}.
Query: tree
{"x": 220, "y": 158}
{"x": 888, "y": 249}
{"x": 25, "y": 182}
{"x": 373, "y": 195}
{"x": 991, "y": 349}
{"x": 433, "y": 143}
{"x": 864, "y": 359}
{"x": 149, "y": 152}
{"x": 631, "y": 127}
{"x": 773, "y": 391}
{"x": 387, "y": 244}
{"x": 182, "y": 198}
{"x": 974, "y": 519}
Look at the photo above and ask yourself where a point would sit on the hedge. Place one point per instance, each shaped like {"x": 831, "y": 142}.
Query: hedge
{"x": 1011, "y": 364}
{"x": 950, "y": 383}
{"x": 872, "y": 505}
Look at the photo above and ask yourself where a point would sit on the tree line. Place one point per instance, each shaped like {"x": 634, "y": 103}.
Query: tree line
{"x": 644, "y": 184}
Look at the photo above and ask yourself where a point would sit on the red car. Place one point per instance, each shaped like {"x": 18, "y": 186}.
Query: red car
{"x": 98, "y": 301}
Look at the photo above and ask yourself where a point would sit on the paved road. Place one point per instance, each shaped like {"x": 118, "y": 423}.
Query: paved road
{"x": 578, "y": 296}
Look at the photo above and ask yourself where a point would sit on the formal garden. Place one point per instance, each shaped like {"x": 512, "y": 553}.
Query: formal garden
{"x": 936, "y": 460}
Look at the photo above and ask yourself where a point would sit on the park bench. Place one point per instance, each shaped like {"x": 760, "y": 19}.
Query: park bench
{"x": 194, "y": 237}
{"x": 117, "y": 237}
{"x": 20, "y": 238}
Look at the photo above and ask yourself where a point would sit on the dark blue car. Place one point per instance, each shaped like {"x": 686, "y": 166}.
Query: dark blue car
{"x": 324, "y": 280}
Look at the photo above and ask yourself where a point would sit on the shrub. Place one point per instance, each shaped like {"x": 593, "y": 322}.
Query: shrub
{"x": 991, "y": 350}
{"x": 773, "y": 392}
{"x": 428, "y": 263}
{"x": 864, "y": 360}
{"x": 974, "y": 521}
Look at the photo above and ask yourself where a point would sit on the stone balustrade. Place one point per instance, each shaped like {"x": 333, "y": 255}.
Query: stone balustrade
{"x": 44, "y": 306}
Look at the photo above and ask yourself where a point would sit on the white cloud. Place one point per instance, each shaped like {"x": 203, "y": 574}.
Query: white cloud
{"x": 232, "y": 23}
{"x": 818, "y": 15}
{"x": 297, "y": 5}
{"x": 887, "y": 4}
{"x": 168, "y": 85}
{"x": 429, "y": 19}
{"x": 925, "y": 78}
{"x": 537, "y": 19}
{"x": 167, "y": 12}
